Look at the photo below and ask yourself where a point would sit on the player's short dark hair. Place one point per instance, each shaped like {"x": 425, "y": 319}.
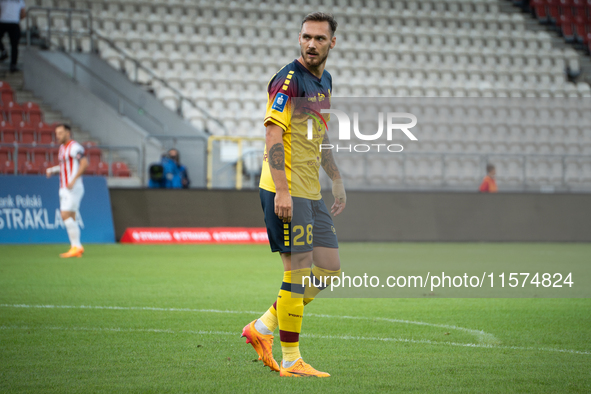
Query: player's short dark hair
{"x": 489, "y": 167}
{"x": 65, "y": 126}
{"x": 322, "y": 17}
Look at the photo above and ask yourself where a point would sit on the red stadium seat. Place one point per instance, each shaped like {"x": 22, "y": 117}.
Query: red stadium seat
{"x": 45, "y": 165}
{"x": 94, "y": 154}
{"x": 26, "y": 134}
{"x": 102, "y": 169}
{"x": 54, "y": 154}
{"x": 566, "y": 8}
{"x": 32, "y": 112}
{"x": 6, "y": 94}
{"x": 91, "y": 169}
{"x": 15, "y": 112}
{"x": 7, "y": 133}
{"x": 553, "y": 9}
{"x": 22, "y": 156}
{"x": 30, "y": 168}
{"x": 579, "y": 8}
{"x": 566, "y": 26}
{"x": 39, "y": 155}
{"x": 45, "y": 133}
{"x": 580, "y": 27}
{"x": 7, "y": 167}
{"x": 539, "y": 7}
{"x": 121, "y": 169}
{"x": 5, "y": 154}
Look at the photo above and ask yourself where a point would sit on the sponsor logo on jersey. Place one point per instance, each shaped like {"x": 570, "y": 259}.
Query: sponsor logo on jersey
{"x": 280, "y": 101}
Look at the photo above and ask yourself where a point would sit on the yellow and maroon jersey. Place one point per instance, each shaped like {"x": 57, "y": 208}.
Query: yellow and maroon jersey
{"x": 294, "y": 94}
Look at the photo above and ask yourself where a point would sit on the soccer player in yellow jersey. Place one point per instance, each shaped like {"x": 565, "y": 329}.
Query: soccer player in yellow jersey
{"x": 298, "y": 223}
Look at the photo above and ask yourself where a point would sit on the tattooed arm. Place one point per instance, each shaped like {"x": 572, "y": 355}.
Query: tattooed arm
{"x": 276, "y": 158}
{"x": 327, "y": 161}
{"x": 331, "y": 169}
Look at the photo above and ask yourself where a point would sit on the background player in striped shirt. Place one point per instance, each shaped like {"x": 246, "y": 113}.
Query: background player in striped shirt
{"x": 72, "y": 165}
{"x": 298, "y": 223}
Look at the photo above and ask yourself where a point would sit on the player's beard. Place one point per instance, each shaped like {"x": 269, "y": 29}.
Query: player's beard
{"x": 313, "y": 63}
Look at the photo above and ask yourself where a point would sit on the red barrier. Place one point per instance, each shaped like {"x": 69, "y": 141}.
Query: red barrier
{"x": 213, "y": 235}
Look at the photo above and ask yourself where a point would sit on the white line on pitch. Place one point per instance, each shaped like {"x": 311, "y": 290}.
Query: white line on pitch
{"x": 314, "y": 336}
{"x": 483, "y": 337}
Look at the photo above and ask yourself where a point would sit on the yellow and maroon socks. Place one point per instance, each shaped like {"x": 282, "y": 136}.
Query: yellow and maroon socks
{"x": 320, "y": 279}
{"x": 290, "y": 311}
{"x": 268, "y": 322}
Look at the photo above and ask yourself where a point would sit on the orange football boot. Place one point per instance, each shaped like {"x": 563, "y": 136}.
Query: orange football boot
{"x": 300, "y": 370}
{"x": 73, "y": 252}
{"x": 263, "y": 344}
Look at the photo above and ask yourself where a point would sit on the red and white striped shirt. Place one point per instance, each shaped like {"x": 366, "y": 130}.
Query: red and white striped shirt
{"x": 69, "y": 158}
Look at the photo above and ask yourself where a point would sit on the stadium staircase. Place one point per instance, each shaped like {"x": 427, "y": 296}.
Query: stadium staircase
{"x": 562, "y": 36}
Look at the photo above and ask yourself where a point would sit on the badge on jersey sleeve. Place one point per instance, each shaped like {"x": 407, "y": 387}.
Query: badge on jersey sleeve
{"x": 280, "y": 101}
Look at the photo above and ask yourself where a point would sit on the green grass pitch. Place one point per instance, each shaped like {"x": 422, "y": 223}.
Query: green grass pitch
{"x": 159, "y": 319}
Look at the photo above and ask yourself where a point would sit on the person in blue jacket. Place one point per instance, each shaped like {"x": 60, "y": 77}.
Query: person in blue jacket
{"x": 170, "y": 173}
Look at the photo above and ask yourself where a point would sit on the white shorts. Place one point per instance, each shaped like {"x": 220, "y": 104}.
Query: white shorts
{"x": 70, "y": 199}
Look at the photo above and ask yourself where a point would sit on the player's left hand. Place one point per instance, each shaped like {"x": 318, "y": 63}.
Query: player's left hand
{"x": 71, "y": 185}
{"x": 337, "y": 207}
{"x": 340, "y": 197}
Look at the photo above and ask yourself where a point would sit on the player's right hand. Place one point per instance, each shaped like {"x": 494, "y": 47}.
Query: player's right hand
{"x": 284, "y": 206}
{"x": 48, "y": 173}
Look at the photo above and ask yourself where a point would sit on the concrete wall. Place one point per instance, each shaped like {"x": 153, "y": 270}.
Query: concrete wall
{"x": 376, "y": 216}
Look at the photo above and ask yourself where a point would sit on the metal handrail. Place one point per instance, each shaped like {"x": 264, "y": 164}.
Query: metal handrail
{"x": 69, "y": 12}
{"x": 482, "y": 157}
{"x": 77, "y": 63}
{"x": 239, "y": 161}
{"x": 109, "y": 148}
{"x": 96, "y": 35}
{"x": 182, "y": 98}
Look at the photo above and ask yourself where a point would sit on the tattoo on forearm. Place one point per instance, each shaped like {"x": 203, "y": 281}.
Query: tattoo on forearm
{"x": 277, "y": 157}
{"x": 327, "y": 162}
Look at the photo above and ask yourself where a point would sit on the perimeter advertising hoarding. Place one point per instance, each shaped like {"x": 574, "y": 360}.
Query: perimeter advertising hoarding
{"x": 29, "y": 211}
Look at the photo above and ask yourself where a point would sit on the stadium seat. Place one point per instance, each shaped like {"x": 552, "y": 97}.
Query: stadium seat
{"x": 15, "y": 112}
{"x": 45, "y": 135}
{"x": 553, "y": 9}
{"x": 5, "y": 154}
{"x": 579, "y": 7}
{"x": 581, "y": 27}
{"x": 26, "y": 134}
{"x": 29, "y": 168}
{"x": 22, "y": 156}
{"x": 93, "y": 153}
{"x": 7, "y": 133}
{"x": 7, "y": 167}
{"x": 565, "y": 24}
{"x": 102, "y": 169}
{"x": 120, "y": 169}
{"x": 566, "y": 8}
{"x": 91, "y": 169}
{"x": 6, "y": 94}
{"x": 39, "y": 155}
{"x": 33, "y": 113}
{"x": 53, "y": 154}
